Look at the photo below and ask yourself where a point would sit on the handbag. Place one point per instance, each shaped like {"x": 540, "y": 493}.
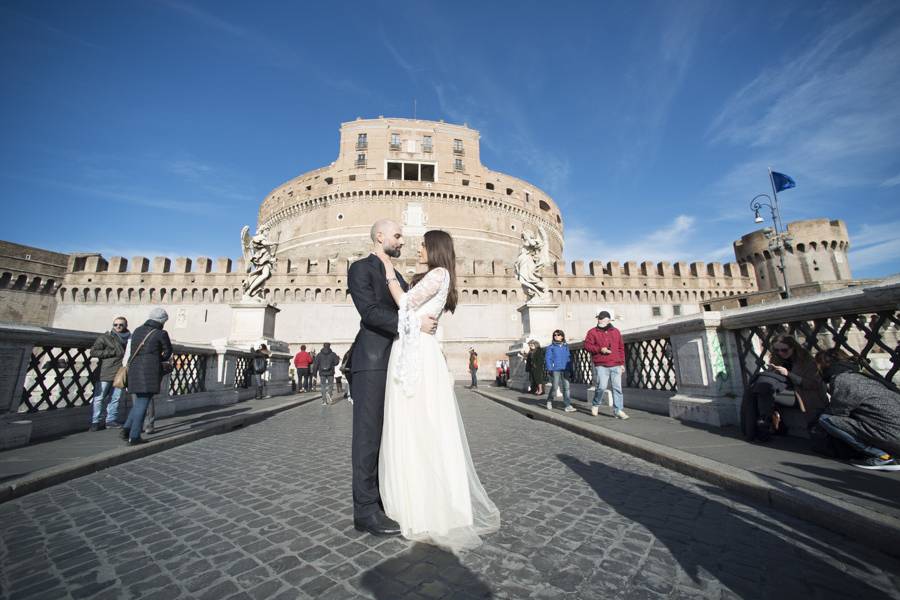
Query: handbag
{"x": 120, "y": 381}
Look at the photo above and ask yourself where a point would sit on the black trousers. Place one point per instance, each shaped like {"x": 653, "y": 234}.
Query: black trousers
{"x": 368, "y": 417}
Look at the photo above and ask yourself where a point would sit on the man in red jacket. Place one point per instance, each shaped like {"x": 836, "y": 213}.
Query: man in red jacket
{"x": 302, "y": 362}
{"x": 604, "y": 342}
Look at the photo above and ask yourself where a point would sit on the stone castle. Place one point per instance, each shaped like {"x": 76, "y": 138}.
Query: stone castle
{"x": 425, "y": 175}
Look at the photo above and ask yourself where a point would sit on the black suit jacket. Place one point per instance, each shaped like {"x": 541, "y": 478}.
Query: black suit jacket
{"x": 378, "y": 314}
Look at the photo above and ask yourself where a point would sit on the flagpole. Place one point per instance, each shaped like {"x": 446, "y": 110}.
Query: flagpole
{"x": 782, "y": 245}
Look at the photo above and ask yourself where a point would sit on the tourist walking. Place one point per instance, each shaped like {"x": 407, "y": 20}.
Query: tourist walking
{"x": 863, "y": 412}
{"x": 148, "y": 347}
{"x": 536, "y": 368}
{"x": 604, "y": 343}
{"x": 260, "y": 363}
{"x": 109, "y": 348}
{"x": 558, "y": 361}
{"x": 473, "y": 367}
{"x": 324, "y": 366}
{"x": 302, "y": 362}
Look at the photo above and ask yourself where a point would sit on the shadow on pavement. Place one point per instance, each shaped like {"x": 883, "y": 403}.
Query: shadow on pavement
{"x": 754, "y": 558}
{"x": 873, "y": 487}
{"x": 425, "y": 571}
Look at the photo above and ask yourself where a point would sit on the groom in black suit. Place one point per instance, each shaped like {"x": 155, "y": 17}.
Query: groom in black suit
{"x": 367, "y": 281}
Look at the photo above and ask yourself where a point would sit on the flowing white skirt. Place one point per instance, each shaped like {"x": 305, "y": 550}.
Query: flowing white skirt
{"x": 426, "y": 477}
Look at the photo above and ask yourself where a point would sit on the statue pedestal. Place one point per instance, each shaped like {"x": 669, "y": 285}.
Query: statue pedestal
{"x": 538, "y": 322}
{"x": 252, "y": 324}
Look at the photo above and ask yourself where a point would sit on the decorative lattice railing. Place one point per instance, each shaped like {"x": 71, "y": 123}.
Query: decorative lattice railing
{"x": 242, "y": 373}
{"x": 872, "y": 338}
{"x": 648, "y": 365}
{"x": 59, "y": 377}
{"x": 188, "y": 375}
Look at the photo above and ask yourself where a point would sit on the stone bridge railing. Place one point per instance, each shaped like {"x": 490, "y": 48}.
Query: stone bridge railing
{"x": 47, "y": 379}
{"x": 695, "y": 367}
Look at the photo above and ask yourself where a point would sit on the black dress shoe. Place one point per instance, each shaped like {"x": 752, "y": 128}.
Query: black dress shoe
{"x": 377, "y": 524}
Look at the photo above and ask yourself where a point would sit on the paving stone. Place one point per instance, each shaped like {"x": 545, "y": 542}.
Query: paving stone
{"x": 265, "y": 512}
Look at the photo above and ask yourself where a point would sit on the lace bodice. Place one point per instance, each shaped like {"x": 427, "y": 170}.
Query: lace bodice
{"x": 427, "y": 297}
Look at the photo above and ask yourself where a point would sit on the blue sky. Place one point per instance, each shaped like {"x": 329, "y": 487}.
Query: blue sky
{"x": 156, "y": 127}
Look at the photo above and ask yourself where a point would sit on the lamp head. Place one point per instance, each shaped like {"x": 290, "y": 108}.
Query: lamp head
{"x": 758, "y": 219}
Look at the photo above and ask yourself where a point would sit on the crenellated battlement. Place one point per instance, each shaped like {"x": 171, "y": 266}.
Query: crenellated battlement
{"x": 92, "y": 278}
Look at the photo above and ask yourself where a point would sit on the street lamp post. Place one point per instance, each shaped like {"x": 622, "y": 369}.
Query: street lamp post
{"x": 779, "y": 240}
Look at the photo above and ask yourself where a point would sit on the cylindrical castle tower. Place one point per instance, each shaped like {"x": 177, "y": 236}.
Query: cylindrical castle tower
{"x": 422, "y": 174}
{"x": 816, "y": 253}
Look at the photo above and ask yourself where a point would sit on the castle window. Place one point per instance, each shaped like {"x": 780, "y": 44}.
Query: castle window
{"x": 457, "y": 164}
{"x": 509, "y": 191}
{"x": 362, "y": 141}
{"x": 465, "y": 182}
{"x": 527, "y": 196}
{"x": 394, "y": 170}
{"x": 544, "y": 205}
{"x": 410, "y": 171}
{"x": 427, "y": 172}
{"x": 329, "y": 180}
{"x": 558, "y": 219}
{"x": 361, "y": 160}
{"x": 352, "y": 178}
{"x": 458, "y": 147}
{"x": 676, "y": 309}
{"x": 395, "y": 141}
{"x": 489, "y": 186}
{"x": 656, "y": 311}
{"x": 426, "y": 144}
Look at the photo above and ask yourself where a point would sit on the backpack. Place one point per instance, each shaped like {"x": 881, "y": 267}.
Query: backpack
{"x": 259, "y": 365}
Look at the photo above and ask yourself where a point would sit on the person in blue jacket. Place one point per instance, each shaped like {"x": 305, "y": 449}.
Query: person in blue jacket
{"x": 559, "y": 367}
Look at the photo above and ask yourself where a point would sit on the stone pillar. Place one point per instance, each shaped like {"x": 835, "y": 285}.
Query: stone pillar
{"x": 707, "y": 370}
{"x": 15, "y": 358}
{"x": 538, "y": 322}
{"x": 252, "y": 324}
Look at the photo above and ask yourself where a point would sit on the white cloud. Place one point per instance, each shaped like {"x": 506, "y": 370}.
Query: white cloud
{"x": 679, "y": 241}
{"x": 893, "y": 181}
{"x": 876, "y": 246}
{"x": 831, "y": 112}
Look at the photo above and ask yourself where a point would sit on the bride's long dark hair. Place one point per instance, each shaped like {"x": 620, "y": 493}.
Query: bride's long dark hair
{"x": 439, "y": 247}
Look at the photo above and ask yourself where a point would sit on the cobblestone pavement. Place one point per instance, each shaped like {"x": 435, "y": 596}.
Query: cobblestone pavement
{"x": 264, "y": 512}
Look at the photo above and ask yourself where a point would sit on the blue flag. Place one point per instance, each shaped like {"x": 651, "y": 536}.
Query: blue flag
{"x": 782, "y": 182}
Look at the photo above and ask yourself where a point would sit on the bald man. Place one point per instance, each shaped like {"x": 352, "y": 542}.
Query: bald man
{"x": 367, "y": 281}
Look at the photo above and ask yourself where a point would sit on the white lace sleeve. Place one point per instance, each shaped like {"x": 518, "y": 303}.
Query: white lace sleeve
{"x": 435, "y": 283}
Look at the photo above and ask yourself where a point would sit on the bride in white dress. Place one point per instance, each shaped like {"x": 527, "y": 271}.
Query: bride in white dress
{"x": 426, "y": 477}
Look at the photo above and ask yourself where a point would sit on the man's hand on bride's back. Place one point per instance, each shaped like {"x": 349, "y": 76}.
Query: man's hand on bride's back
{"x": 428, "y": 325}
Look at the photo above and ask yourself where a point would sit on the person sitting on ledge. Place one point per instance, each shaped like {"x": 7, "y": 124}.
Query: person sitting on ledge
{"x": 864, "y": 413}
{"x": 791, "y": 368}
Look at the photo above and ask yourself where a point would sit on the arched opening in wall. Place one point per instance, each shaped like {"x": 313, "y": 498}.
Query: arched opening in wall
{"x": 543, "y": 205}
{"x": 568, "y": 295}
{"x": 163, "y": 293}
{"x": 130, "y": 296}
{"x": 504, "y": 295}
{"x": 514, "y": 295}
{"x": 801, "y": 247}
{"x": 107, "y": 295}
{"x": 34, "y": 284}
{"x": 464, "y": 296}
{"x": 475, "y": 296}
{"x": 48, "y": 287}
{"x": 5, "y": 279}
{"x": 495, "y": 296}
{"x": 153, "y": 295}
{"x": 577, "y": 296}
{"x": 329, "y": 295}
{"x": 702, "y": 295}
{"x": 318, "y": 295}
{"x": 338, "y": 295}
{"x": 20, "y": 282}
{"x": 308, "y": 295}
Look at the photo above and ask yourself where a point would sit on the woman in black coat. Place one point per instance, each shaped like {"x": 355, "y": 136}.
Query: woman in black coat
{"x": 148, "y": 347}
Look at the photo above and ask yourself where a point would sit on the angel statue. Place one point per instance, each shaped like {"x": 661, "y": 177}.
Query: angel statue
{"x": 259, "y": 256}
{"x": 534, "y": 255}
